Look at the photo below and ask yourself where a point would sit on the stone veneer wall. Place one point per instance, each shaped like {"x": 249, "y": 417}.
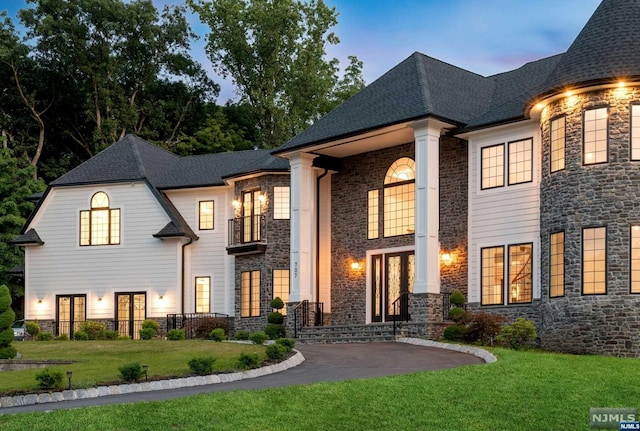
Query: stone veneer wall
{"x": 454, "y": 210}
{"x": 584, "y": 196}
{"x": 277, "y": 256}
{"x": 349, "y": 187}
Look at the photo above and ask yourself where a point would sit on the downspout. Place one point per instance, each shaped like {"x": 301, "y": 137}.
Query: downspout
{"x": 326, "y": 171}
{"x": 183, "y": 272}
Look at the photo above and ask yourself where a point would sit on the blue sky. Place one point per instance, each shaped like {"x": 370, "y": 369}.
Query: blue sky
{"x": 483, "y": 36}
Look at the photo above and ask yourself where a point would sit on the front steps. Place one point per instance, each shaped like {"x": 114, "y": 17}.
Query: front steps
{"x": 374, "y": 332}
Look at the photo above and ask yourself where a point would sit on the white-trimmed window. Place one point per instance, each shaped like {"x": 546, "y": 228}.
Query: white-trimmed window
{"x": 556, "y": 264}
{"x": 520, "y": 273}
{"x": 281, "y": 203}
{"x": 281, "y": 286}
{"x": 595, "y": 136}
{"x": 492, "y": 166}
{"x": 203, "y": 294}
{"x": 635, "y": 259}
{"x": 594, "y": 261}
{"x": 557, "y": 133}
{"x": 101, "y": 224}
{"x": 205, "y": 215}
{"x": 492, "y": 275}
{"x": 250, "y": 294}
{"x": 399, "y": 198}
{"x": 635, "y": 132}
{"x": 373, "y": 198}
{"x": 520, "y": 161}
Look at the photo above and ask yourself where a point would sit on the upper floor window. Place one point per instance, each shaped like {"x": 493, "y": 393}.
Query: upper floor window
{"x": 281, "y": 203}
{"x": 492, "y": 166}
{"x": 594, "y": 261}
{"x": 635, "y": 132}
{"x": 556, "y": 264}
{"x": 520, "y": 161}
{"x": 399, "y": 198}
{"x": 205, "y": 215}
{"x": 252, "y": 215}
{"x": 557, "y": 132}
{"x": 101, "y": 224}
{"x": 595, "y": 136}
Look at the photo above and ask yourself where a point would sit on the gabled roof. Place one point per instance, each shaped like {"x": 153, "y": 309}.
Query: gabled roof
{"x": 29, "y": 237}
{"x": 605, "y": 49}
{"x": 418, "y": 87}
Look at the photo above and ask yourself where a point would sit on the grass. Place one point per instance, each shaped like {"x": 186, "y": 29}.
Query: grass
{"x": 522, "y": 391}
{"x": 98, "y": 361}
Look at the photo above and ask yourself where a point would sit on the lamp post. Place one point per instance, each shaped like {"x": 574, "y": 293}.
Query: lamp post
{"x": 145, "y": 367}
{"x": 69, "y": 374}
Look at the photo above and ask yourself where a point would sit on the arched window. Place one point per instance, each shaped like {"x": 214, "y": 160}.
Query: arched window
{"x": 398, "y": 195}
{"x": 101, "y": 224}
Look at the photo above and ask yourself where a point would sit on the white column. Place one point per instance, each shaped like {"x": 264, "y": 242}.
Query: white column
{"x": 302, "y": 228}
{"x": 427, "y": 212}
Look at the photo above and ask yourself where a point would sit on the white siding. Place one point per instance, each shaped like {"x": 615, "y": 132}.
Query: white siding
{"x": 141, "y": 263}
{"x": 504, "y": 215}
{"x": 208, "y": 257}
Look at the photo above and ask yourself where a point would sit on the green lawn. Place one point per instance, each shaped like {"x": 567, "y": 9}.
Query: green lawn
{"x": 522, "y": 391}
{"x": 98, "y": 361}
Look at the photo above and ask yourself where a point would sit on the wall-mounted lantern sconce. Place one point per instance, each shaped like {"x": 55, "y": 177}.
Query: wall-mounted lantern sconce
{"x": 236, "y": 203}
{"x": 262, "y": 198}
{"x": 447, "y": 258}
{"x": 356, "y": 266}
{"x": 100, "y": 299}
{"x": 39, "y": 301}
{"x": 161, "y": 297}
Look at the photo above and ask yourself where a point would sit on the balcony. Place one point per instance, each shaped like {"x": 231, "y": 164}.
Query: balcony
{"x": 247, "y": 235}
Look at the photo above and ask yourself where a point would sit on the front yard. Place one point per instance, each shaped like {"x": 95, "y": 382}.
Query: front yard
{"x": 522, "y": 391}
{"x": 98, "y": 361}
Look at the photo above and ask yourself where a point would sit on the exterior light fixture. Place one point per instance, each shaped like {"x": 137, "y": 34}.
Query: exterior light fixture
{"x": 69, "y": 374}
{"x": 236, "y": 203}
{"x": 446, "y": 258}
{"x": 39, "y": 301}
{"x": 262, "y": 198}
{"x": 356, "y": 266}
{"x": 145, "y": 367}
{"x": 100, "y": 299}
{"x": 160, "y": 297}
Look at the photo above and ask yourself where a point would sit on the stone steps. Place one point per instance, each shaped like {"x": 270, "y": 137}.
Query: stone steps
{"x": 376, "y": 332}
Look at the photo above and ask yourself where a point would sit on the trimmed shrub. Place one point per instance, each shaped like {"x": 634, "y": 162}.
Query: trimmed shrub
{"x": 94, "y": 330}
{"x": 248, "y": 361}
{"x": 49, "y": 378}
{"x": 277, "y": 304}
{"x": 110, "y": 334}
{"x": 457, "y": 314}
{"x": 147, "y": 333}
{"x": 80, "y": 336}
{"x": 176, "y": 335}
{"x": 275, "y": 317}
{"x": 274, "y": 331}
{"x": 456, "y": 298}
{"x": 123, "y": 337}
{"x": 482, "y": 327}
{"x": 131, "y": 372}
{"x": 287, "y": 343}
{"x": 62, "y": 337}
{"x": 520, "y": 334}
{"x": 45, "y": 336}
{"x": 33, "y": 329}
{"x": 7, "y": 317}
{"x": 242, "y": 335}
{"x": 217, "y": 335}
{"x": 275, "y": 351}
{"x": 201, "y": 366}
{"x": 258, "y": 337}
{"x": 151, "y": 324}
{"x": 454, "y": 333}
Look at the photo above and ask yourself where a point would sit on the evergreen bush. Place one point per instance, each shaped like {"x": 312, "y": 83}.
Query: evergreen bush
{"x": 33, "y": 329}
{"x": 7, "y": 351}
{"x": 217, "y": 335}
{"x": 176, "y": 334}
{"x": 454, "y": 332}
{"x": 110, "y": 334}
{"x": 94, "y": 330}
{"x": 520, "y": 334}
{"x": 242, "y": 335}
{"x": 287, "y": 343}
{"x": 131, "y": 372}
{"x": 147, "y": 333}
{"x": 457, "y": 314}
{"x": 149, "y": 323}
{"x": 456, "y": 298}
{"x": 201, "y": 366}
{"x": 45, "y": 336}
{"x": 275, "y": 351}
{"x": 248, "y": 361}
{"x": 274, "y": 331}
{"x": 49, "y": 378}
{"x": 258, "y": 337}
{"x": 80, "y": 336}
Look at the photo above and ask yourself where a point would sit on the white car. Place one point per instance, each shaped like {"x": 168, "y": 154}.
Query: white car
{"x": 19, "y": 330}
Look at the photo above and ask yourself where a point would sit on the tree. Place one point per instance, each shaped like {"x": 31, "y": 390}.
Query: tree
{"x": 274, "y": 50}
{"x": 16, "y": 185}
{"x": 7, "y": 351}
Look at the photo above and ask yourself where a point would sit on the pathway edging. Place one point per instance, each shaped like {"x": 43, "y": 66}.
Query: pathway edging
{"x": 475, "y": 351}
{"x": 101, "y": 391}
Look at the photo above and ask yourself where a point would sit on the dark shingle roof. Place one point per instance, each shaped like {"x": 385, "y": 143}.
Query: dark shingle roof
{"x": 419, "y": 86}
{"x": 605, "y": 49}
{"x": 30, "y": 237}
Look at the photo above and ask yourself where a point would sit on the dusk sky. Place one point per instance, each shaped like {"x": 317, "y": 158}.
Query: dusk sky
{"x": 482, "y": 36}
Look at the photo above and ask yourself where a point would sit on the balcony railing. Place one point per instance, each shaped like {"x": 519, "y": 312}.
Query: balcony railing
{"x": 247, "y": 235}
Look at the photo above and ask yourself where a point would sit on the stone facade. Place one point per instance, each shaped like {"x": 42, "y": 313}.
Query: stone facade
{"x": 276, "y": 234}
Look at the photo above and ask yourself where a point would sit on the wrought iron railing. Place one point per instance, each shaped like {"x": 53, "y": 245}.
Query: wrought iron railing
{"x": 124, "y": 327}
{"x": 198, "y": 325}
{"x": 447, "y": 305}
{"x": 246, "y": 230}
{"x": 400, "y": 311}
{"x": 306, "y": 312}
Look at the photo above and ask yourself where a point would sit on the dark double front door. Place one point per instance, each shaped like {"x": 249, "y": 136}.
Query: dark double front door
{"x": 392, "y": 275}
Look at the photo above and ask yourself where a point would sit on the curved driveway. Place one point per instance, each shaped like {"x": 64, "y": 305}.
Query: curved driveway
{"x": 323, "y": 363}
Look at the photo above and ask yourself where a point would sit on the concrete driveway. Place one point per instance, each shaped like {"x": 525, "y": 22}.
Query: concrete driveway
{"x": 323, "y": 363}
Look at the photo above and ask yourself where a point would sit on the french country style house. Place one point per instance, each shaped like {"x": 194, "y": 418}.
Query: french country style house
{"x": 521, "y": 189}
